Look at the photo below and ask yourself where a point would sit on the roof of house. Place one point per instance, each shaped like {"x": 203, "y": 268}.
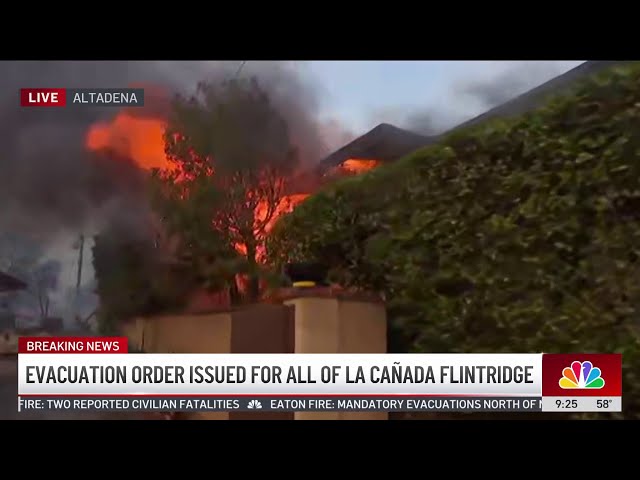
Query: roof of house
{"x": 384, "y": 143}
{"x": 9, "y": 283}
{"x": 387, "y": 142}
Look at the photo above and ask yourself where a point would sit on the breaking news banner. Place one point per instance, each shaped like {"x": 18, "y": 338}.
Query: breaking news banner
{"x": 98, "y": 374}
{"x": 82, "y": 97}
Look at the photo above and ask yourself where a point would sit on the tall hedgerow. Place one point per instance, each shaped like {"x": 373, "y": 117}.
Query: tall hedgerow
{"x": 516, "y": 236}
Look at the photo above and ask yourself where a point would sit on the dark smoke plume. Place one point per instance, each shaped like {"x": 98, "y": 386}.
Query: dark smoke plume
{"x": 297, "y": 101}
{"x": 50, "y": 182}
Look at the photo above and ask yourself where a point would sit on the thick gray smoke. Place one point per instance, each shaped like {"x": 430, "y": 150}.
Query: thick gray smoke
{"x": 49, "y": 181}
{"x": 52, "y": 188}
{"x": 296, "y": 98}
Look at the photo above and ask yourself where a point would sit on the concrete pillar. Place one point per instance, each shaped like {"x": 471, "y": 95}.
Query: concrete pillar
{"x": 333, "y": 321}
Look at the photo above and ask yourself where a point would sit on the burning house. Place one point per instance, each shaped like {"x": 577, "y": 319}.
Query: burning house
{"x": 115, "y": 151}
{"x": 387, "y": 143}
{"x": 141, "y": 139}
{"x": 384, "y": 143}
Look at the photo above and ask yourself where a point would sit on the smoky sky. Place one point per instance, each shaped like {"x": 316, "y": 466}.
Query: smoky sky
{"x": 48, "y": 179}
{"x": 471, "y": 96}
{"x": 295, "y": 98}
{"x": 508, "y": 84}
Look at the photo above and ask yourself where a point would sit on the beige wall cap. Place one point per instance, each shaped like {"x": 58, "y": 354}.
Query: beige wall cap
{"x": 338, "y": 293}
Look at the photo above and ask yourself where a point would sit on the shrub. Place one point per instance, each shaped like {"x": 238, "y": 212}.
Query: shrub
{"x": 517, "y": 235}
{"x": 133, "y": 281}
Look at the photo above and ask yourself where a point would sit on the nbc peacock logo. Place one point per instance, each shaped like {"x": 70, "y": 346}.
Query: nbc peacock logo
{"x": 581, "y": 375}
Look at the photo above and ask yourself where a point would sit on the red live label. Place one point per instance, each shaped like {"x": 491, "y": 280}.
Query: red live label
{"x": 43, "y": 97}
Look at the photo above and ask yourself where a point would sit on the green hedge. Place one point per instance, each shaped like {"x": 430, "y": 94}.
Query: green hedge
{"x": 514, "y": 236}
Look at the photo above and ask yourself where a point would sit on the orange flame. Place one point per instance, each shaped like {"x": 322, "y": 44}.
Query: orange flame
{"x": 141, "y": 139}
{"x": 357, "y": 165}
{"x": 286, "y": 205}
{"x": 138, "y": 138}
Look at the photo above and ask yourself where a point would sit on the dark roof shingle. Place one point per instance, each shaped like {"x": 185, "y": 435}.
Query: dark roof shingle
{"x": 384, "y": 143}
{"x": 9, "y": 283}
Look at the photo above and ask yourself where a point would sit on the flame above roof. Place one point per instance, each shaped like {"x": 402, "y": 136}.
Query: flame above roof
{"x": 384, "y": 143}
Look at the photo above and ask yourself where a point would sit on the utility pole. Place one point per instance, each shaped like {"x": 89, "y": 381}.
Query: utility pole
{"x": 80, "y": 258}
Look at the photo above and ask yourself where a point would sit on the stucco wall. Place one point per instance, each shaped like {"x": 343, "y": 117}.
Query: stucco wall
{"x": 334, "y": 325}
{"x": 363, "y": 327}
{"x": 205, "y": 333}
{"x": 317, "y": 325}
{"x": 320, "y": 325}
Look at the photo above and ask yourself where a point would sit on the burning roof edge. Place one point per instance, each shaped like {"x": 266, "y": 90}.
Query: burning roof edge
{"x": 393, "y": 142}
{"x": 384, "y": 143}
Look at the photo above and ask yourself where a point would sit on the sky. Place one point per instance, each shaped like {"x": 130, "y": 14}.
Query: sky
{"x": 364, "y": 94}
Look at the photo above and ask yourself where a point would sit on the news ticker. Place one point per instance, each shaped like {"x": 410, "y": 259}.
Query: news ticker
{"x": 77, "y": 373}
{"x": 82, "y": 97}
{"x": 321, "y": 404}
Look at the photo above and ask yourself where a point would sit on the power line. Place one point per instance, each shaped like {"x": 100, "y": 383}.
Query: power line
{"x": 242, "y": 64}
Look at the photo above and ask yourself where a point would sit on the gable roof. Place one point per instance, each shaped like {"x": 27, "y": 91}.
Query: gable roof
{"x": 9, "y": 283}
{"x": 384, "y": 143}
{"x": 387, "y": 142}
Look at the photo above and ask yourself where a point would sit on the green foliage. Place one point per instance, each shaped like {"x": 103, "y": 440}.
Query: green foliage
{"x": 230, "y": 125}
{"x": 234, "y": 154}
{"x": 514, "y": 236}
{"x": 187, "y": 208}
{"x": 132, "y": 281}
